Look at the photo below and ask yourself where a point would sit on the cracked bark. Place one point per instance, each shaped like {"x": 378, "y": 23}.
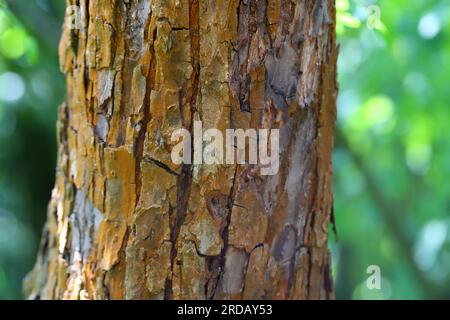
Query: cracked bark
{"x": 124, "y": 222}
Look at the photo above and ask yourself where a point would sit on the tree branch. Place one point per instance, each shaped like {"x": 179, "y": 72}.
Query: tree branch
{"x": 391, "y": 218}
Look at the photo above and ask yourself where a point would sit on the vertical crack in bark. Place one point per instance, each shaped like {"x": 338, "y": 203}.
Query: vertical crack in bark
{"x": 184, "y": 179}
{"x": 105, "y": 287}
{"x": 309, "y": 272}
{"x": 139, "y": 144}
{"x": 225, "y": 235}
{"x": 240, "y": 74}
{"x": 327, "y": 280}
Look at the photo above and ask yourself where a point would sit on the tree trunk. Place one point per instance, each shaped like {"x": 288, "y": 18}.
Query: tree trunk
{"x": 124, "y": 221}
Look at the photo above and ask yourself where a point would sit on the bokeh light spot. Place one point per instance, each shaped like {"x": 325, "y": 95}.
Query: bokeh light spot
{"x": 13, "y": 43}
{"x": 8, "y": 226}
{"x": 429, "y": 26}
{"x": 12, "y": 87}
{"x": 432, "y": 237}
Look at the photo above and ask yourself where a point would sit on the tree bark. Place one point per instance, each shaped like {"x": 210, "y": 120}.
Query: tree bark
{"x": 124, "y": 222}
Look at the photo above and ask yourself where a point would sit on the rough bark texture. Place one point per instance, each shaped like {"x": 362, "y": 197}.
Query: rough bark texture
{"x": 124, "y": 222}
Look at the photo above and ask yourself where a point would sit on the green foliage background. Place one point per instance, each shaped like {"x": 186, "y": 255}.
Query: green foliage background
{"x": 391, "y": 161}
